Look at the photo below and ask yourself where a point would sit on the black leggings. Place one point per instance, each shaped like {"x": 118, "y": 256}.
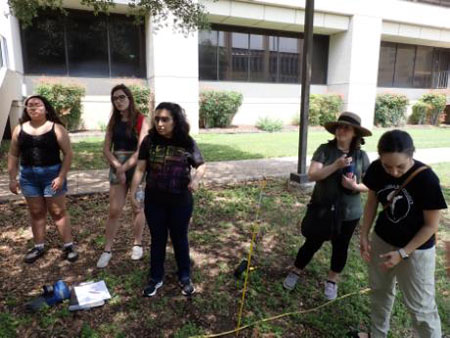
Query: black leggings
{"x": 339, "y": 244}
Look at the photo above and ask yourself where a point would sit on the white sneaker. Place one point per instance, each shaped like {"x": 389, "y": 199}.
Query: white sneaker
{"x": 330, "y": 290}
{"x": 137, "y": 252}
{"x": 104, "y": 259}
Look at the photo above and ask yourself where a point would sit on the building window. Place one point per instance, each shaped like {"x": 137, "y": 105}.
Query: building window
{"x": 255, "y": 55}
{"x": 404, "y": 66}
{"x": 423, "y": 67}
{"x": 82, "y": 44}
{"x": 411, "y": 66}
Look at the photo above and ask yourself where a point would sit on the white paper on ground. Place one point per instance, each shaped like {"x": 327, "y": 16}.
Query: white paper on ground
{"x": 92, "y": 293}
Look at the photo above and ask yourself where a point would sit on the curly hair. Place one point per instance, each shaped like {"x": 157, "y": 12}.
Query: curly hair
{"x": 181, "y": 126}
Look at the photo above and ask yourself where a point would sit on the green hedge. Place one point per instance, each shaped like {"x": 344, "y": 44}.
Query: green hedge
{"x": 268, "y": 124}
{"x": 217, "y": 108}
{"x": 324, "y": 108}
{"x": 437, "y": 103}
{"x": 142, "y": 97}
{"x": 66, "y": 99}
{"x": 390, "y": 109}
{"x": 419, "y": 113}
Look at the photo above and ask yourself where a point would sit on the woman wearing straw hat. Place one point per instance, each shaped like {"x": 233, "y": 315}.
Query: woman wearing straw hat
{"x": 337, "y": 168}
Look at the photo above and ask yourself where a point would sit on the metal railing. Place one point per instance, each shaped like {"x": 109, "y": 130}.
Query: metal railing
{"x": 440, "y": 79}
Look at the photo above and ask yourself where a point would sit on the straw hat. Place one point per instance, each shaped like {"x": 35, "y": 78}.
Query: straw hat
{"x": 349, "y": 119}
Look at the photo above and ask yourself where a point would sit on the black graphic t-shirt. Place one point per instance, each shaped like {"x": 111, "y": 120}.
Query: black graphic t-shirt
{"x": 401, "y": 221}
{"x": 168, "y": 169}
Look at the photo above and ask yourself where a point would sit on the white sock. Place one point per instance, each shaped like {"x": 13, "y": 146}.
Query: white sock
{"x": 39, "y": 246}
{"x": 66, "y": 245}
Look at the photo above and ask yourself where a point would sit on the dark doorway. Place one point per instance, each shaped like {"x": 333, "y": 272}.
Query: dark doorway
{"x": 7, "y": 132}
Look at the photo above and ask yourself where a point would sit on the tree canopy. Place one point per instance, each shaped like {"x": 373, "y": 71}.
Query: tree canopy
{"x": 187, "y": 15}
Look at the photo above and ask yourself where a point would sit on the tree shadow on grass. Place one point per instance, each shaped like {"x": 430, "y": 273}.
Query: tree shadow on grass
{"x": 220, "y": 234}
{"x": 219, "y": 239}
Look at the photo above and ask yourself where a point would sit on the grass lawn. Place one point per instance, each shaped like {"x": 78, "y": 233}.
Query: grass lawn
{"x": 225, "y": 147}
{"x": 219, "y": 239}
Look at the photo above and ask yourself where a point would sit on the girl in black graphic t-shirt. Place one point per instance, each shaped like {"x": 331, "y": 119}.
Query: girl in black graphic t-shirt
{"x": 402, "y": 245}
{"x": 167, "y": 154}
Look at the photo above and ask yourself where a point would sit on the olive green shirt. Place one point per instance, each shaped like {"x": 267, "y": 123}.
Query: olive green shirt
{"x": 330, "y": 189}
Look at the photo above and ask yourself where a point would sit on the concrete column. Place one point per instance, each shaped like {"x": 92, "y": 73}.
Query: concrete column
{"x": 353, "y": 65}
{"x": 172, "y": 60}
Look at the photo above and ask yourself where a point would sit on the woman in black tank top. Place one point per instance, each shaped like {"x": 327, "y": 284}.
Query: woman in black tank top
{"x": 37, "y": 143}
{"x": 125, "y": 131}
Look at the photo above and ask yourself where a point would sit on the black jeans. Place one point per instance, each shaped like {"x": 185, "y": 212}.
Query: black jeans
{"x": 339, "y": 248}
{"x": 163, "y": 219}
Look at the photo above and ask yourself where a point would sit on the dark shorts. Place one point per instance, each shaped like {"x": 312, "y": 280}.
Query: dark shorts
{"x": 122, "y": 157}
{"x": 37, "y": 181}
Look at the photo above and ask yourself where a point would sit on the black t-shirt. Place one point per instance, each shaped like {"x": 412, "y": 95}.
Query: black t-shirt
{"x": 169, "y": 169}
{"x": 401, "y": 221}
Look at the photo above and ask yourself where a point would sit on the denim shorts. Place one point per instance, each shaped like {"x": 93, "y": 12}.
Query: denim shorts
{"x": 37, "y": 181}
{"x": 122, "y": 157}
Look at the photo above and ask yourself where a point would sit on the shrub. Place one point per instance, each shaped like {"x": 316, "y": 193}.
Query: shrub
{"x": 323, "y": 108}
{"x": 437, "y": 102}
{"x": 142, "y": 97}
{"x": 267, "y": 124}
{"x": 217, "y": 108}
{"x": 419, "y": 113}
{"x": 66, "y": 99}
{"x": 390, "y": 109}
{"x": 296, "y": 119}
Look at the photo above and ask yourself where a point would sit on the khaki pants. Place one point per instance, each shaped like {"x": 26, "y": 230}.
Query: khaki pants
{"x": 415, "y": 277}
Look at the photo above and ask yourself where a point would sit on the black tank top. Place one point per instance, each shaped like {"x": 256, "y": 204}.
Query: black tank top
{"x": 122, "y": 140}
{"x": 41, "y": 150}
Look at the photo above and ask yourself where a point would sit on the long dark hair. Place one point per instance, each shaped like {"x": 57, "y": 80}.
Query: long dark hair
{"x": 132, "y": 111}
{"x": 355, "y": 144}
{"x": 181, "y": 127}
{"x": 396, "y": 141}
{"x": 50, "y": 113}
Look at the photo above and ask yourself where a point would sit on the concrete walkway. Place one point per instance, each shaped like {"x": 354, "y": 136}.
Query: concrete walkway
{"x": 92, "y": 181}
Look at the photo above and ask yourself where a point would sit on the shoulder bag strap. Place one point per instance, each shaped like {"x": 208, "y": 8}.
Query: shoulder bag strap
{"x": 409, "y": 179}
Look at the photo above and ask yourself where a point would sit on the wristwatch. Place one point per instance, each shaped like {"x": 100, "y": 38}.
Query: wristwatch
{"x": 403, "y": 254}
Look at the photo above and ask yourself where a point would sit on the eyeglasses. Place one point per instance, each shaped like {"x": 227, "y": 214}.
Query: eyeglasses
{"x": 119, "y": 98}
{"x": 163, "y": 119}
{"x": 29, "y": 106}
